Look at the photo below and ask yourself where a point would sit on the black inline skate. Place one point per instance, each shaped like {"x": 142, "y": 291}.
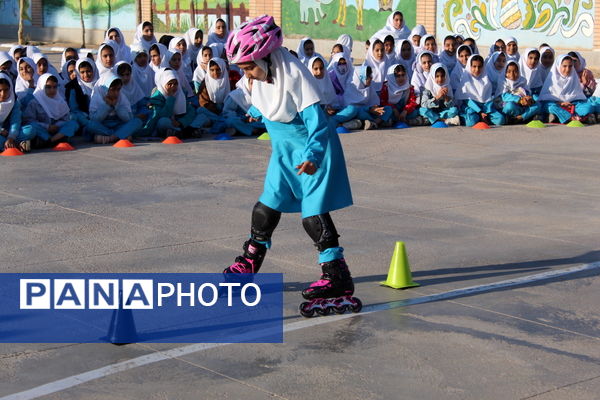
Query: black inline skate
{"x": 245, "y": 266}
{"x": 332, "y": 293}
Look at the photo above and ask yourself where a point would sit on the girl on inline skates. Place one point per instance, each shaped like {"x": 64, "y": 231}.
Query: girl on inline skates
{"x": 307, "y": 170}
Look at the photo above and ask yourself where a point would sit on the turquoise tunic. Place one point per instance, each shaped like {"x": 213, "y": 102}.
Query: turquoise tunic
{"x": 308, "y": 137}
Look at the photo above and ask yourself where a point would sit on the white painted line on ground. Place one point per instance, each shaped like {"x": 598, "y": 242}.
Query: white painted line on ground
{"x": 69, "y": 382}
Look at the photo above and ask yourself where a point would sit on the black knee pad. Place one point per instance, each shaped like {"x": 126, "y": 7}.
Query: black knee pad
{"x": 322, "y": 231}
{"x": 264, "y": 222}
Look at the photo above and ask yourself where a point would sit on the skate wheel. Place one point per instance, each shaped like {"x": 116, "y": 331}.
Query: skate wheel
{"x": 305, "y": 310}
{"x": 357, "y": 306}
{"x": 341, "y": 309}
{"x": 322, "y": 311}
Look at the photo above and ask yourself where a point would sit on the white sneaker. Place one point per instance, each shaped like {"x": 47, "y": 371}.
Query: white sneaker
{"x": 369, "y": 125}
{"x": 454, "y": 121}
{"x": 352, "y": 124}
{"x": 552, "y": 119}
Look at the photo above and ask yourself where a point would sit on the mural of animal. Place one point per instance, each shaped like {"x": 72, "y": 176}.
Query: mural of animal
{"x": 315, "y": 5}
{"x": 341, "y": 17}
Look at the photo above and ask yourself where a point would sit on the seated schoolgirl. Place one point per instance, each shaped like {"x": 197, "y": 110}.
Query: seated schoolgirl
{"x": 174, "y": 60}
{"x": 26, "y": 81}
{"x": 437, "y": 100}
{"x": 378, "y": 62}
{"x": 142, "y": 73}
{"x": 68, "y": 72}
{"x": 494, "y": 67}
{"x": 365, "y": 98}
{"x": 340, "y": 111}
{"x": 477, "y": 95}
{"x": 131, "y": 90}
{"x": 193, "y": 38}
{"x": 78, "y": 92}
{"x": 415, "y": 37}
{"x": 463, "y": 53}
{"x": 423, "y": 64}
{"x": 512, "y": 49}
{"x": 122, "y": 51}
{"x": 111, "y": 111}
{"x": 179, "y": 44}
{"x": 530, "y": 68}
{"x": 447, "y": 55}
{"x": 562, "y": 95}
{"x": 67, "y": 55}
{"x": 306, "y": 50}
{"x": 235, "y": 109}
{"x": 518, "y": 105}
{"x": 389, "y": 48}
{"x": 398, "y": 93}
{"x": 405, "y": 55}
{"x": 472, "y": 44}
{"x": 428, "y": 43}
{"x": 586, "y": 77}
{"x": 171, "y": 113}
{"x": 202, "y": 60}
{"x": 11, "y": 135}
{"x": 546, "y": 61}
{"x": 106, "y": 57}
{"x": 215, "y": 87}
{"x": 47, "y": 116}
{"x": 144, "y": 35}
{"x": 218, "y": 32}
{"x": 158, "y": 53}
{"x": 7, "y": 65}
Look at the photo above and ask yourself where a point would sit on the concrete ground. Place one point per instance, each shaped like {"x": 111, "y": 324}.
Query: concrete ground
{"x": 473, "y": 207}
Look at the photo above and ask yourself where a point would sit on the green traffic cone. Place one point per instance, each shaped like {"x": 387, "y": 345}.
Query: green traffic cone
{"x": 264, "y": 136}
{"x": 399, "y": 275}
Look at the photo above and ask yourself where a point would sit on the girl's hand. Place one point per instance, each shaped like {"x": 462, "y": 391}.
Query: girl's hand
{"x": 111, "y": 101}
{"x": 10, "y": 143}
{"x": 565, "y": 104}
{"x": 329, "y": 110}
{"x": 375, "y": 110}
{"x": 52, "y": 129}
{"x": 306, "y": 167}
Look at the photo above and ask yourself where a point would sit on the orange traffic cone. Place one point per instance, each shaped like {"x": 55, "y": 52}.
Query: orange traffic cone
{"x": 63, "y": 147}
{"x": 172, "y": 140}
{"x": 481, "y": 125}
{"x": 123, "y": 143}
{"x": 10, "y": 152}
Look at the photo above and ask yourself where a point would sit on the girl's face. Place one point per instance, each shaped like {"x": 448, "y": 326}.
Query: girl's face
{"x": 253, "y": 71}
{"x": 336, "y": 49}
{"x": 114, "y": 90}
{"x": 566, "y": 66}
{"x": 576, "y": 63}
{"x": 405, "y": 51}
{"x": 440, "y": 76}
{"x": 155, "y": 57}
{"x": 4, "y": 92}
{"x": 171, "y": 87}
{"x": 51, "y": 88}
{"x": 18, "y": 54}
{"x": 6, "y": 66}
{"x": 342, "y": 66}
{"x": 114, "y": 35}
{"x": 547, "y": 59}
{"x": 463, "y": 56}
{"x": 500, "y": 46}
{"x": 25, "y": 71}
{"x": 430, "y": 44}
{"x": 181, "y": 46}
{"x": 141, "y": 60}
{"x": 500, "y": 62}
{"x": 175, "y": 62}
{"x": 214, "y": 71}
{"x": 450, "y": 46}
{"x": 426, "y": 62}
{"x": 512, "y": 72}
{"x": 220, "y": 28}
{"x": 42, "y": 66}
{"x": 459, "y": 40}
{"x": 378, "y": 51}
{"x": 198, "y": 39}
{"x": 86, "y": 72}
{"x": 398, "y": 20}
{"x": 476, "y": 68}
{"x": 533, "y": 59}
{"x": 71, "y": 55}
{"x": 318, "y": 69}
{"x": 400, "y": 77}
{"x": 206, "y": 55}
{"x": 107, "y": 56}
{"x": 512, "y": 48}
{"x": 309, "y": 48}
{"x": 416, "y": 40}
{"x": 148, "y": 32}
{"x": 71, "y": 72}
{"x": 388, "y": 46}
{"x": 125, "y": 76}
{"x": 470, "y": 43}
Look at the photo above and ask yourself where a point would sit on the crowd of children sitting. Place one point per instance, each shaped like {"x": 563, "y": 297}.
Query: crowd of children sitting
{"x": 184, "y": 86}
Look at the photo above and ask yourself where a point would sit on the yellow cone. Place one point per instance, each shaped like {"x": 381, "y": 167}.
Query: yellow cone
{"x": 399, "y": 276}
{"x": 264, "y": 136}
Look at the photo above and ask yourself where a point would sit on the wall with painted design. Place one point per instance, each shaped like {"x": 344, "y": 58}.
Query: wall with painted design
{"x": 9, "y": 9}
{"x": 180, "y": 15}
{"x": 565, "y": 24}
{"x": 328, "y": 19}
{"x": 98, "y": 14}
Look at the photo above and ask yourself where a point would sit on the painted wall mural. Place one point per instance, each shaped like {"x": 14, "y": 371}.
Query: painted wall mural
{"x": 98, "y": 14}
{"x": 561, "y": 23}
{"x": 180, "y": 15}
{"x": 9, "y": 9}
{"x": 328, "y": 19}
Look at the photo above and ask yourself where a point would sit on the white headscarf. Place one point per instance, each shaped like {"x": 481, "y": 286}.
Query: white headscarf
{"x": 173, "y": 47}
{"x": 493, "y": 74}
{"x": 302, "y": 55}
{"x": 379, "y": 67}
{"x": 408, "y": 64}
{"x": 199, "y": 72}
{"x": 509, "y": 57}
{"x": 37, "y": 57}
{"x": 359, "y": 94}
{"x": 474, "y": 88}
{"x": 346, "y": 41}
{"x": 420, "y": 75}
{"x": 7, "y": 106}
{"x": 418, "y": 30}
{"x": 543, "y": 70}
{"x": 122, "y": 52}
{"x": 63, "y": 58}
{"x": 396, "y": 92}
{"x": 139, "y": 37}
{"x": 31, "y": 50}
{"x": 190, "y": 37}
{"x": 86, "y": 87}
{"x": 5, "y": 57}
{"x": 212, "y": 36}
{"x": 324, "y": 85}
{"x": 131, "y": 90}
{"x": 518, "y": 87}
{"x": 101, "y": 90}
{"x": 56, "y": 107}
{"x": 448, "y": 60}
{"x": 162, "y": 77}
{"x": 401, "y": 33}
{"x": 433, "y": 86}
{"x": 64, "y": 73}
{"x": 217, "y": 49}
{"x": 241, "y": 95}
{"x": 293, "y": 88}
{"x": 114, "y": 46}
{"x": 183, "y": 82}
{"x": 219, "y": 88}
{"x": 457, "y": 72}
{"x": 533, "y": 76}
{"x": 163, "y": 51}
{"x": 340, "y": 81}
{"x": 424, "y": 38}
{"x": 21, "y": 85}
{"x": 562, "y": 88}
{"x": 144, "y": 76}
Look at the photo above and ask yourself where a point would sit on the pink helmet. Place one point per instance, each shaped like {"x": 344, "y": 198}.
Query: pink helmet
{"x": 253, "y": 40}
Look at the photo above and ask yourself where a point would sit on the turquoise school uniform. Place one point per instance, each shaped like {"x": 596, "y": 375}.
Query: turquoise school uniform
{"x": 308, "y": 137}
